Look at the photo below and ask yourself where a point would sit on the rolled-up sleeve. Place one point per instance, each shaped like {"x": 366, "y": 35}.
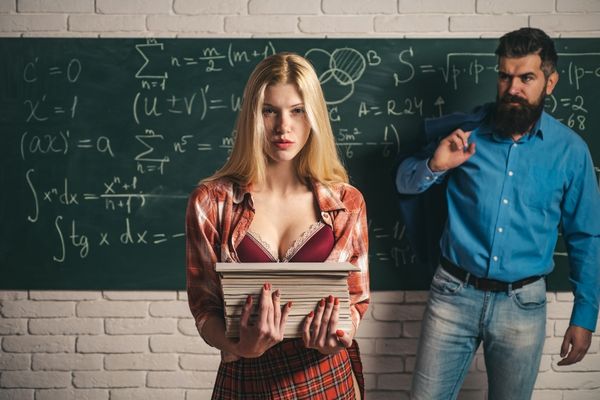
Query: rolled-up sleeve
{"x": 202, "y": 244}
{"x": 358, "y": 281}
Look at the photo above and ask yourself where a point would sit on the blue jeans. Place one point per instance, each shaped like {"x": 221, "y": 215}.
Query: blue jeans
{"x": 458, "y": 317}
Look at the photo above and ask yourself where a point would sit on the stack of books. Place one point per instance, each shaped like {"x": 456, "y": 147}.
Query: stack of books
{"x": 304, "y": 284}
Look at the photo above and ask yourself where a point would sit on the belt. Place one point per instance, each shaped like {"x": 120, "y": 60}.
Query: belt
{"x": 491, "y": 285}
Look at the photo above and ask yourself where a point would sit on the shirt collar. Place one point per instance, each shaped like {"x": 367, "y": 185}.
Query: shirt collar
{"x": 240, "y": 191}
{"x": 536, "y": 131}
{"x": 328, "y": 199}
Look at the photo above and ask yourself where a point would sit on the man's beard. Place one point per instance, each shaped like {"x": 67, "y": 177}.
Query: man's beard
{"x": 510, "y": 119}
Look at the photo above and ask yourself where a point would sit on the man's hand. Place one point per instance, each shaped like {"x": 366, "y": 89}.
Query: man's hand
{"x": 579, "y": 340}
{"x": 452, "y": 151}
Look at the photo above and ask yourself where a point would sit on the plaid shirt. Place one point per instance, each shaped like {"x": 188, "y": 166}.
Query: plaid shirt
{"x": 220, "y": 212}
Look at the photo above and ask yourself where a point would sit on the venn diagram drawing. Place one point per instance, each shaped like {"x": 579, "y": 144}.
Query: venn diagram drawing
{"x": 345, "y": 66}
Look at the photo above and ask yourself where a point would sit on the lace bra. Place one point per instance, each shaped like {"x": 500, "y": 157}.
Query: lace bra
{"x": 314, "y": 245}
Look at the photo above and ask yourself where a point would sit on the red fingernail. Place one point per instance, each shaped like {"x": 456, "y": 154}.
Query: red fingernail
{"x": 311, "y": 314}
{"x": 337, "y": 301}
{"x": 289, "y": 304}
{"x": 322, "y": 303}
{"x": 266, "y": 286}
{"x": 330, "y": 299}
{"x": 248, "y": 299}
{"x": 339, "y": 332}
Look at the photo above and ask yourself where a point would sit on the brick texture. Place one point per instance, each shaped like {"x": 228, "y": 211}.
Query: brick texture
{"x": 515, "y": 6}
{"x": 557, "y": 23}
{"x": 133, "y": 6}
{"x": 359, "y": 6}
{"x": 209, "y": 6}
{"x": 263, "y": 7}
{"x": 435, "y": 6}
{"x": 336, "y": 24}
{"x": 499, "y": 23}
{"x": 412, "y": 23}
{"x": 583, "y": 6}
{"x": 261, "y": 24}
{"x": 105, "y": 23}
{"x": 63, "y": 6}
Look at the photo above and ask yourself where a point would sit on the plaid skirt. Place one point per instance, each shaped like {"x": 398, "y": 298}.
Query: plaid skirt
{"x": 288, "y": 370}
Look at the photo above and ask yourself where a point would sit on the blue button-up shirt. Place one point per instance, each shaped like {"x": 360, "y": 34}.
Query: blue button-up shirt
{"x": 506, "y": 202}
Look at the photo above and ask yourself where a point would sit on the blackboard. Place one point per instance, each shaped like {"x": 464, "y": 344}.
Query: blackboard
{"x": 103, "y": 139}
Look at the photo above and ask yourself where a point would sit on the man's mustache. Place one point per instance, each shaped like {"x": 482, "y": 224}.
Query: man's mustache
{"x": 508, "y": 98}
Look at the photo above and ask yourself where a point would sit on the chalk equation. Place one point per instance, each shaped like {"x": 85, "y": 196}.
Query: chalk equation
{"x": 105, "y": 139}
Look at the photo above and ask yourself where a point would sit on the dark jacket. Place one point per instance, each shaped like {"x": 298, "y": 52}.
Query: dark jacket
{"x": 425, "y": 214}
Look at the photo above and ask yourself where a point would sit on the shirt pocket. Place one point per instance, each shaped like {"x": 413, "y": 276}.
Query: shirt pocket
{"x": 541, "y": 189}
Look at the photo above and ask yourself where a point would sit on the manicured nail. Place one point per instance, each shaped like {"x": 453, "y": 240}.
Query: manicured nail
{"x": 311, "y": 314}
{"x": 321, "y": 302}
{"x": 266, "y": 286}
{"x": 339, "y": 332}
{"x": 248, "y": 299}
{"x": 289, "y": 304}
{"x": 330, "y": 299}
{"x": 337, "y": 301}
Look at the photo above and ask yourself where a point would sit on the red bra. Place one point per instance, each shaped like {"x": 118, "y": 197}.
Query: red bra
{"x": 314, "y": 245}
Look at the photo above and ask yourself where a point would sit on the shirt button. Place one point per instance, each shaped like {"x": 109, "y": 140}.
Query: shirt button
{"x": 324, "y": 215}
{"x": 514, "y": 145}
{"x": 495, "y": 258}
{"x": 500, "y": 230}
{"x": 505, "y": 201}
{"x": 510, "y": 173}
{"x": 427, "y": 178}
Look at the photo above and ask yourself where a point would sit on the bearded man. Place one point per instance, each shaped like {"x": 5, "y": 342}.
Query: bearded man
{"x": 512, "y": 181}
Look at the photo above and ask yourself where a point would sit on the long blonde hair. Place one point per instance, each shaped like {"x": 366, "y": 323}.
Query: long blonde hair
{"x": 318, "y": 159}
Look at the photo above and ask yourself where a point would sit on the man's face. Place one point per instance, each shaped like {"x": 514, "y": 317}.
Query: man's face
{"x": 522, "y": 87}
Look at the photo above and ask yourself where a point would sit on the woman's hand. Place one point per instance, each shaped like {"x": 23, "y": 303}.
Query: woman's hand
{"x": 268, "y": 330}
{"x": 320, "y": 331}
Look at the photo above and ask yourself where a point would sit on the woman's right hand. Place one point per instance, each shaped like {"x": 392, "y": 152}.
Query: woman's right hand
{"x": 269, "y": 327}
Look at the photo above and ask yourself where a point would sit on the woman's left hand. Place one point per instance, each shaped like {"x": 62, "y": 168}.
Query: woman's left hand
{"x": 320, "y": 332}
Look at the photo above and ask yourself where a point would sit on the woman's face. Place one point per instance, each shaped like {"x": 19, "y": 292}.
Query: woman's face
{"x": 286, "y": 125}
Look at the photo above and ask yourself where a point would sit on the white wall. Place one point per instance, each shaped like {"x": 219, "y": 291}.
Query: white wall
{"x": 143, "y": 345}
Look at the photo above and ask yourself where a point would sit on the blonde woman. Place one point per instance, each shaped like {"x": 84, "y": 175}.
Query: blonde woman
{"x": 283, "y": 196}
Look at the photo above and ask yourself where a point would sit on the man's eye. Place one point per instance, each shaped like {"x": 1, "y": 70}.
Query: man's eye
{"x": 527, "y": 78}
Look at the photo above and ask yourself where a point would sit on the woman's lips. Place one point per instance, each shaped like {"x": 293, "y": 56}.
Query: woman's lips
{"x": 283, "y": 144}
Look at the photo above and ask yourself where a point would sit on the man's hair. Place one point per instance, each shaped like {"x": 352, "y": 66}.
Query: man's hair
{"x": 527, "y": 41}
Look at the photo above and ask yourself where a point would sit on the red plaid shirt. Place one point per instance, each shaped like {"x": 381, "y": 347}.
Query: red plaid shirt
{"x": 220, "y": 212}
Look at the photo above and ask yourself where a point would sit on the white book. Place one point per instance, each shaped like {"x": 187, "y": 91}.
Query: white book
{"x": 304, "y": 284}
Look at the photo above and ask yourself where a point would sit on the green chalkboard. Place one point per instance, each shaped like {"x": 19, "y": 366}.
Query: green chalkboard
{"x": 103, "y": 139}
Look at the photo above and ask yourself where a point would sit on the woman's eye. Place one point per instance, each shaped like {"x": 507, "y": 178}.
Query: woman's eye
{"x": 268, "y": 111}
{"x": 298, "y": 110}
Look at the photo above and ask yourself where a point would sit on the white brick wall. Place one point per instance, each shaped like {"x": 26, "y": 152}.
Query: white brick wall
{"x": 101, "y": 345}
{"x": 144, "y": 345}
